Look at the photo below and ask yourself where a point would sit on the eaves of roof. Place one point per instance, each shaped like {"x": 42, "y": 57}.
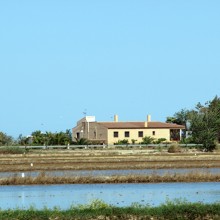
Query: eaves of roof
{"x": 140, "y": 125}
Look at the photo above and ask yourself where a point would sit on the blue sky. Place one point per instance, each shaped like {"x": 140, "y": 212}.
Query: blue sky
{"x": 125, "y": 57}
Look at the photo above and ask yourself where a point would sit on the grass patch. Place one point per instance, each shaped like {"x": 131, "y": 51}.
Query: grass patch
{"x": 12, "y": 150}
{"x": 99, "y": 210}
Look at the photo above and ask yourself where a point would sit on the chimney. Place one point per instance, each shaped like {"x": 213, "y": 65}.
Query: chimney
{"x": 145, "y": 124}
{"x": 148, "y": 120}
{"x": 115, "y": 118}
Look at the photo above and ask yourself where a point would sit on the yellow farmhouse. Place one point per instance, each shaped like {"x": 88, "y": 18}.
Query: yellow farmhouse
{"x": 112, "y": 132}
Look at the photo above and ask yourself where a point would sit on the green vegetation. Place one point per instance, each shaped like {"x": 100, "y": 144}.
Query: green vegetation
{"x": 38, "y": 138}
{"x": 5, "y": 139}
{"x": 81, "y": 141}
{"x": 147, "y": 140}
{"x": 160, "y": 140}
{"x": 121, "y": 142}
{"x": 203, "y": 123}
{"x": 12, "y": 150}
{"x": 150, "y": 140}
{"x": 202, "y": 127}
{"x": 179, "y": 209}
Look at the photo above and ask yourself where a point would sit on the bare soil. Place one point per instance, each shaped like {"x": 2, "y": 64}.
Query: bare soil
{"x": 46, "y": 160}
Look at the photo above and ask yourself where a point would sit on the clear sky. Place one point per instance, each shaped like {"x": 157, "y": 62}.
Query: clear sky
{"x": 59, "y": 58}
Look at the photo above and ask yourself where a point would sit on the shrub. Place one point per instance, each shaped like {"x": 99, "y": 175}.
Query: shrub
{"x": 174, "y": 148}
{"x": 147, "y": 140}
{"x": 81, "y": 141}
{"x": 121, "y": 142}
{"x": 133, "y": 141}
{"x": 160, "y": 140}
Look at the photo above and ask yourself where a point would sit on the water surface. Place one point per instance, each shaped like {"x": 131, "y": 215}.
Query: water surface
{"x": 64, "y": 196}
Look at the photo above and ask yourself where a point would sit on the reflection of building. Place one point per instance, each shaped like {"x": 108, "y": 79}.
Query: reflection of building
{"x": 112, "y": 132}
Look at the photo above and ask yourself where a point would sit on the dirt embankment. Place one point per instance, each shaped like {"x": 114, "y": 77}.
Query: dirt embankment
{"x": 46, "y": 160}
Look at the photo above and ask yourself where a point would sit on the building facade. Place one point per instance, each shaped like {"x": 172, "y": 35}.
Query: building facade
{"x": 112, "y": 132}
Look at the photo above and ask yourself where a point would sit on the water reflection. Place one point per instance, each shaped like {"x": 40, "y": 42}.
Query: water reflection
{"x": 64, "y": 196}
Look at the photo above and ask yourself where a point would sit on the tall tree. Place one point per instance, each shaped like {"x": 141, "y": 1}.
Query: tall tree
{"x": 38, "y": 138}
{"x": 204, "y": 128}
{"x": 180, "y": 117}
{"x": 5, "y": 139}
{"x": 214, "y": 106}
{"x": 204, "y": 122}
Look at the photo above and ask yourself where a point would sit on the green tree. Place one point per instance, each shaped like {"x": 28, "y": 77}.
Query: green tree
{"x": 5, "y": 139}
{"x": 38, "y": 138}
{"x": 49, "y": 138}
{"x": 214, "y": 106}
{"x": 22, "y": 140}
{"x": 203, "y": 122}
{"x": 205, "y": 125}
{"x": 180, "y": 117}
{"x": 204, "y": 131}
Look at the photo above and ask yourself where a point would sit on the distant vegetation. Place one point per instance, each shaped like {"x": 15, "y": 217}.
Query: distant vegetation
{"x": 37, "y": 138}
{"x": 202, "y": 123}
{"x": 202, "y": 127}
{"x": 145, "y": 140}
{"x": 97, "y": 209}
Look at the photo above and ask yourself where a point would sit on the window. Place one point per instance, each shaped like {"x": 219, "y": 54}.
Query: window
{"x": 140, "y": 134}
{"x": 153, "y": 132}
{"x": 78, "y": 135}
{"x": 127, "y": 134}
{"x": 115, "y": 134}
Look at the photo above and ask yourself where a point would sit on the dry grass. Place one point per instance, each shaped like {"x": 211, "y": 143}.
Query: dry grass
{"x": 105, "y": 159}
{"x": 152, "y": 178}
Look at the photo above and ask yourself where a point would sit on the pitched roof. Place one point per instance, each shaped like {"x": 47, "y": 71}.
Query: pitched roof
{"x": 133, "y": 125}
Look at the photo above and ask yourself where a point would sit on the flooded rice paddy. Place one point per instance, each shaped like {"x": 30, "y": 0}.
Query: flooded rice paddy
{"x": 65, "y": 195}
{"x": 70, "y": 173}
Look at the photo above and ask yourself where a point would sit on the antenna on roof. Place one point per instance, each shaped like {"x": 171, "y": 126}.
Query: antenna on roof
{"x": 85, "y": 112}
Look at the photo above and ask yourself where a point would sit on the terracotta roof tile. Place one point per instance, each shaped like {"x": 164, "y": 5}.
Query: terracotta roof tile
{"x": 164, "y": 125}
{"x": 133, "y": 125}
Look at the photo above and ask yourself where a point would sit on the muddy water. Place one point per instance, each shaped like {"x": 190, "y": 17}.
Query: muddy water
{"x": 64, "y": 196}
